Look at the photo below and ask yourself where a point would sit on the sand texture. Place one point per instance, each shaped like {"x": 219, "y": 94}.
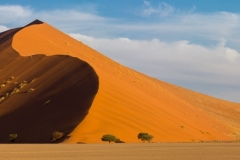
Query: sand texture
{"x": 91, "y": 95}
{"x": 41, "y": 94}
{"x": 181, "y": 151}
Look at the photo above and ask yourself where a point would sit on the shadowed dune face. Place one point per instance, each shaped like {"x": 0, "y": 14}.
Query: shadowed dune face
{"x": 6, "y": 51}
{"x": 41, "y": 94}
{"x": 127, "y": 102}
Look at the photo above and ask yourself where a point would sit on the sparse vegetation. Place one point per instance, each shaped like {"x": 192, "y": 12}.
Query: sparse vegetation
{"x": 56, "y": 136}
{"x": 1, "y": 99}
{"x": 24, "y": 83}
{"x": 12, "y": 137}
{"x": 31, "y": 90}
{"x": 47, "y": 102}
{"x": 145, "y": 137}
{"x": 110, "y": 138}
{"x": 118, "y": 141}
{"x": 33, "y": 80}
{"x": 2, "y": 85}
{"x": 14, "y": 90}
{"x": 8, "y": 81}
{"x": 6, "y": 95}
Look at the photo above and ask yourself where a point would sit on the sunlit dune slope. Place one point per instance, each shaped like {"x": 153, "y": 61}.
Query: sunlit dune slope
{"x": 128, "y": 102}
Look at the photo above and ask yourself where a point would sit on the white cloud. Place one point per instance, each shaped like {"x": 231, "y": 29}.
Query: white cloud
{"x": 65, "y": 19}
{"x": 193, "y": 49}
{"x": 163, "y": 9}
{"x": 15, "y": 10}
{"x": 232, "y": 55}
{"x": 191, "y": 26}
{"x": 146, "y": 3}
{"x": 70, "y": 15}
{"x": 176, "y": 61}
{"x": 3, "y": 28}
{"x": 10, "y": 13}
{"x": 73, "y": 20}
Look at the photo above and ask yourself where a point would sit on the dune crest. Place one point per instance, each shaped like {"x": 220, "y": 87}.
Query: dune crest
{"x": 42, "y": 94}
{"x": 128, "y": 102}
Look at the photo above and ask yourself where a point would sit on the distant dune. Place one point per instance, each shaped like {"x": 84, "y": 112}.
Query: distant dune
{"x": 52, "y": 82}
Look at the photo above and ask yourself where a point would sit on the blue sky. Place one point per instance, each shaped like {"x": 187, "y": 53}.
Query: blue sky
{"x": 191, "y": 43}
{"x": 109, "y": 8}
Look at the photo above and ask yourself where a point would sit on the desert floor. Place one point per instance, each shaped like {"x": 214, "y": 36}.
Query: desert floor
{"x": 166, "y": 151}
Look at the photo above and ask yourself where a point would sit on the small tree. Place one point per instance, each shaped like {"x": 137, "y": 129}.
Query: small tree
{"x": 12, "y": 137}
{"x": 145, "y": 137}
{"x": 142, "y": 136}
{"x": 56, "y": 136}
{"x": 149, "y": 138}
{"x": 110, "y": 138}
{"x": 118, "y": 141}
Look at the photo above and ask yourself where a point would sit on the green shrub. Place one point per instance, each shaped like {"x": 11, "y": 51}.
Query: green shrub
{"x": 12, "y": 137}
{"x": 118, "y": 141}
{"x": 110, "y": 138}
{"x": 56, "y": 136}
{"x": 145, "y": 137}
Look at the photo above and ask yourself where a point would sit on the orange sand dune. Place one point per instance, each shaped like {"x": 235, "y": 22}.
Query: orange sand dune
{"x": 127, "y": 102}
{"x": 41, "y": 94}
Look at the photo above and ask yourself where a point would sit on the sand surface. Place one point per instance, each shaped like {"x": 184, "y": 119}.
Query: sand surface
{"x": 42, "y": 94}
{"x": 124, "y": 103}
{"x": 174, "y": 151}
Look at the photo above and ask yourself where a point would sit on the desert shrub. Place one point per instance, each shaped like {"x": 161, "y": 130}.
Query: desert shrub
{"x": 24, "y": 83}
{"x": 142, "y": 136}
{"x": 56, "y": 136}
{"x": 12, "y": 137}
{"x": 47, "y": 102}
{"x": 149, "y": 138}
{"x": 145, "y": 137}
{"x": 2, "y": 85}
{"x": 6, "y": 95}
{"x": 31, "y": 90}
{"x": 2, "y": 98}
{"x": 15, "y": 90}
{"x": 33, "y": 80}
{"x": 118, "y": 141}
{"x": 108, "y": 137}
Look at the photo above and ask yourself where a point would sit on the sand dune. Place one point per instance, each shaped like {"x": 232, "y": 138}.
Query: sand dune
{"x": 41, "y": 94}
{"x": 127, "y": 102}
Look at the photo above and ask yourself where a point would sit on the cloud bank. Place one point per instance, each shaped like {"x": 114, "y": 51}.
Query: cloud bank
{"x": 200, "y": 51}
{"x": 179, "y": 62}
{"x": 3, "y": 28}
